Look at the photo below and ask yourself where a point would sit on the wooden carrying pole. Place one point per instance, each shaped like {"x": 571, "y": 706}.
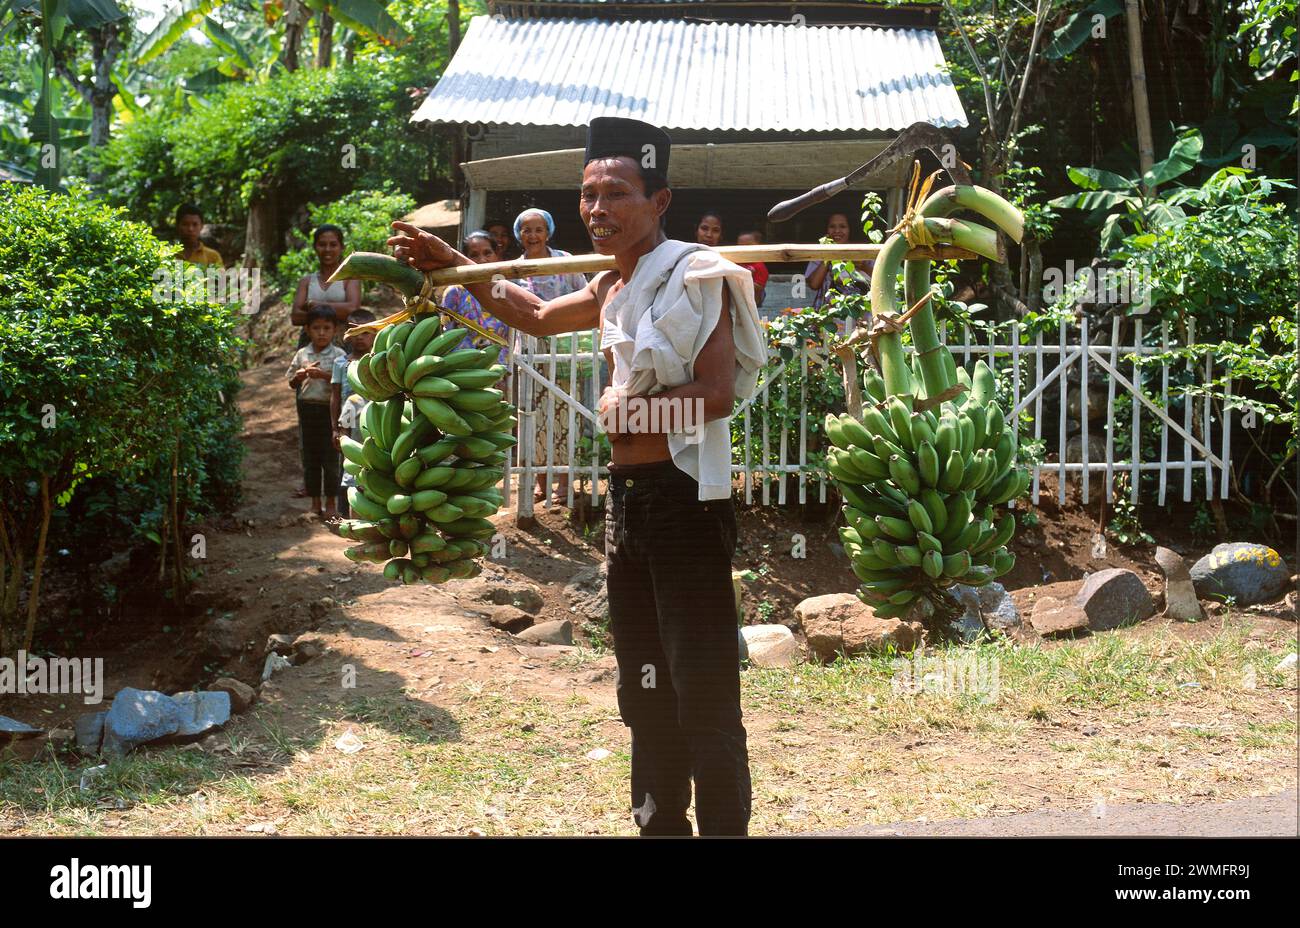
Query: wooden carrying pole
{"x": 372, "y": 266}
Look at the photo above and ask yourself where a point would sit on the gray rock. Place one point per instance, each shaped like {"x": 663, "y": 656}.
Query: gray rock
{"x": 989, "y": 605}
{"x": 307, "y": 649}
{"x": 839, "y": 623}
{"x": 1181, "y": 603}
{"x": 138, "y": 717}
{"x": 273, "y": 663}
{"x": 224, "y": 637}
{"x": 241, "y": 694}
{"x": 202, "y": 711}
{"x": 90, "y": 731}
{"x": 12, "y": 729}
{"x": 969, "y": 623}
{"x": 1074, "y": 448}
{"x": 560, "y": 632}
{"x": 1055, "y": 618}
{"x": 509, "y": 618}
{"x": 279, "y": 644}
{"x": 588, "y": 595}
{"x": 770, "y": 645}
{"x": 999, "y": 609}
{"x": 502, "y": 592}
{"x": 1172, "y": 564}
{"x": 1248, "y": 573}
{"x": 1114, "y": 597}
{"x": 744, "y": 648}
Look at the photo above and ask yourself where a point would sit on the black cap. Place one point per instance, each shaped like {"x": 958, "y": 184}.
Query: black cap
{"x": 614, "y": 137}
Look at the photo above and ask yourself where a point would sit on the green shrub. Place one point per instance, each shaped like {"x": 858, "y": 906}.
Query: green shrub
{"x": 1231, "y": 268}
{"x": 106, "y": 382}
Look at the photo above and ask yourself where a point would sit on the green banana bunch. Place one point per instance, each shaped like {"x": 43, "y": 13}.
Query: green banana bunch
{"x": 920, "y": 479}
{"x": 435, "y": 436}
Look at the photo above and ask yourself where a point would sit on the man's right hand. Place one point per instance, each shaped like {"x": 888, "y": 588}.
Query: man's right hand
{"x": 422, "y": 250}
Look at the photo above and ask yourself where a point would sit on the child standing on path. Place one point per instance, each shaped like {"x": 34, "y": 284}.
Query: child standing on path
{"x": 340, "y": 390}
{"x": 309, "y": 375}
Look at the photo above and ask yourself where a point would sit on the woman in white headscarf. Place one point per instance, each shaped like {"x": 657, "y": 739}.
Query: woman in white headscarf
{"x": 533, "y": 230}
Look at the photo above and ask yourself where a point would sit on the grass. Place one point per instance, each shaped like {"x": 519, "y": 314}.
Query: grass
{"x": 831, "y": 746}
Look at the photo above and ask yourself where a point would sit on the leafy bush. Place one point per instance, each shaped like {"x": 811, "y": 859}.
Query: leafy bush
{"x": 107, "y": 383}
{"x": 1196, "y": 266}
{"x": 364, "y": 217}
{"x": 1231, "y": 267}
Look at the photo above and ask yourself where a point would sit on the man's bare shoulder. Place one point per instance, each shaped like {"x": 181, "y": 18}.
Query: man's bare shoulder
{"x": 604, "y": 285}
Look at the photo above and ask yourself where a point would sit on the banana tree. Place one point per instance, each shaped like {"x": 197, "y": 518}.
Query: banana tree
{"x": 369, "y": 18}
{"x": 1118, "y": 202}
{"x": 924, "y": 458}
{"x": 101, "y": 20}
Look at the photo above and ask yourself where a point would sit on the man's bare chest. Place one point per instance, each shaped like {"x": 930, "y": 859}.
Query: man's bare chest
{"x": 605, "y": 299}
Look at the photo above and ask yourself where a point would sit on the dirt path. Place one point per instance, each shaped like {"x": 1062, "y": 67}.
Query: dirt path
{"x": 1271, "y": 816}
{"x": 286, "y": 570}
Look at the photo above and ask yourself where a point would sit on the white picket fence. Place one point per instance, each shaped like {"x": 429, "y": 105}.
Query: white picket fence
{"x": 1037, "y": 368}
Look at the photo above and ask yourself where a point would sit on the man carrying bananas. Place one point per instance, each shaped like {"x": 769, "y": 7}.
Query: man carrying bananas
{"x": 681, "y": 334}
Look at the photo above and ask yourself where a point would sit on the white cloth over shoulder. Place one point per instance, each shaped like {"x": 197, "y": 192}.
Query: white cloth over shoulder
{"x": 656, "y": 326}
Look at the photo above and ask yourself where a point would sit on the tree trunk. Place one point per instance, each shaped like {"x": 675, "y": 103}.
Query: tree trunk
{"x": 11, "y": 567}
{"x": 34, "y": 594}
{"x": 12, "y": 538}
{"x": 178, "y": 569}
{"x": 1033, "y": 292}
{"x": 105, "y": 48}
{"x": 1141, "y": 110}
{"x": 324, "y": 40}
{"x": 260, "y": 233}
{"x": 295, "y": 18}
{"x": 453, "y": 25}
{"x": 991, "y": 167}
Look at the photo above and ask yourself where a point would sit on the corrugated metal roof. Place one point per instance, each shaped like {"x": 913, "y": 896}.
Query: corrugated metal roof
{"x": 680, "y": 75}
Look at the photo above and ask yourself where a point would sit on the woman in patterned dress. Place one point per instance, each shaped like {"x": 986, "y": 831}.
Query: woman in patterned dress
{"x": 479, "y": 248}
{"x": 533, "y": 229}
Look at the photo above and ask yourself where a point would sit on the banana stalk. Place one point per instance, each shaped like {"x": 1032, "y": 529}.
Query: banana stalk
{"x": 927, "y": 469}
{"x": 435, "y": 434}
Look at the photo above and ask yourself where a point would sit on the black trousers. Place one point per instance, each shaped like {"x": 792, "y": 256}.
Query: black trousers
{"x": 673, "y": 618}
{"x": 320, "y": 463}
